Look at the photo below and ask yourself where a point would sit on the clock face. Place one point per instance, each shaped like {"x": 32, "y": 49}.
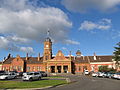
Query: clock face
{"x": 46, "y": 45}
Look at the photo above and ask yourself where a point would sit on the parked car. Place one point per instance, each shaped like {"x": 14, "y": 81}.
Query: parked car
{"x": 86, "y": 72}
{"x": 102, "y": 74}
{"x": 110, "y": 74}
{"x": 116, "y": 75}
{"x": 8, "y": 76}
{"x": 43, "y": 73}
{"x": 20, "y": 74}
{"x": 2, "y": 72}
{"x": 95, "y": 74}
{"x": 30, "y": 76}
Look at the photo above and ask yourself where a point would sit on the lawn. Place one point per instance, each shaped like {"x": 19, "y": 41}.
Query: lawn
{"x": 27, "y": 84}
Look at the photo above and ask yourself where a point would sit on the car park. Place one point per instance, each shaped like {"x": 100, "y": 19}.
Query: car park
{"x": 30, "y": 76}
{"x": 7, "y": 76}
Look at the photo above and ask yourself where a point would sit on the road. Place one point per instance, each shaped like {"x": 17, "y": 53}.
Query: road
{"x": 89, "y": 83}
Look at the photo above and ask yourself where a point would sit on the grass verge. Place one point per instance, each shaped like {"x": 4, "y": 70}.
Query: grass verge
{"x": 33, "y": 84}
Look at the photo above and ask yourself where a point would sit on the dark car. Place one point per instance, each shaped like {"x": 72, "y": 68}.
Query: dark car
{"x": 43, "y": 73}
{"x": 2, "y": 72}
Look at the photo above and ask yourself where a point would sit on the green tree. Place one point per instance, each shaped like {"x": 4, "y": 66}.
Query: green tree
{"x": 103, "y": 68}
{"x": 116, "y": 54}
{"x": 106, "y": 69}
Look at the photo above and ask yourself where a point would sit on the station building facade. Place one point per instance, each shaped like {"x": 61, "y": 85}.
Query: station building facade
{"x": 56, "y": 64}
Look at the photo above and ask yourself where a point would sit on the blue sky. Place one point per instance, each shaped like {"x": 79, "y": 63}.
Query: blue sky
{"x": 86, "y": 25}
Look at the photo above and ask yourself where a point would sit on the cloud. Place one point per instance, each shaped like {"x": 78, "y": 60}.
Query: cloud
{"x": 64, "y": 48}
{"x": 115, "y": 34}
{"x": 27, "y": 49}
{"x": 22, "y": 22}
{"x": 103, "y": 24}
{"x": 8, "y": 45}
{"x": 72, "y": 42}
{"x": 87, "y": 5}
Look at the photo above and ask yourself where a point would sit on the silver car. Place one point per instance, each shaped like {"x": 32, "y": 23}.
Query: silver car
{"x": 30, "y": 76}
{"x": 8, "y": 76}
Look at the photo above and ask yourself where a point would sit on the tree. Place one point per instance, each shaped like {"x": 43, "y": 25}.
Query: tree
{"x": 116, "y": 54}
{"x": 106, "y": 69}
{"x": 103, "y": 68}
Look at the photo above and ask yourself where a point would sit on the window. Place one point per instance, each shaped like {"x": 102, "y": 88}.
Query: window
{"x": 79, "y": 68}
{"x": 38, "y": 68}
{"x": 85, "y": 67}
{"x": 33, "y": 68}
{"x": 19, "y": 68}
{"x": 28, "y": 69}
{"x": 46, "y": 58}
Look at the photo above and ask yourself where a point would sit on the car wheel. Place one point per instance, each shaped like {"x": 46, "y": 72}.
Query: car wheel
{"x": 6, "y": 78}
{"x": 39, "y": 78}
{"x": 15, "y": 77}
{"x": 30, "y": 79}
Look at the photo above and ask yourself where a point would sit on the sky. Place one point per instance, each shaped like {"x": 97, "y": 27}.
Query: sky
{"x": 86, "y": 25}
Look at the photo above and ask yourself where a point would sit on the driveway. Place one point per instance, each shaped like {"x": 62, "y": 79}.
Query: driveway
{"x": 89, "y": 83}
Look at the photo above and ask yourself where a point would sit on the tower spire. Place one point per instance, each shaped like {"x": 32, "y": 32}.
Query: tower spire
{"x": 48, "y": 33}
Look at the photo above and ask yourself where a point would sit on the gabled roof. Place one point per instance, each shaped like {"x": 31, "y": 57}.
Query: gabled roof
{"x": 34, "y": 60}
{"x": 80, "y": 59}
{"x": 8, "y": 61}
{"x": 101, "y": 59}
{"x": 31, "y": 60}
{"x": 88, "y": 59}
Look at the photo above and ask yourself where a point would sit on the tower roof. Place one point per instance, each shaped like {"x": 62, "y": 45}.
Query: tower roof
{"x": 48, "y": 39}
{"x": 78, "y": 52}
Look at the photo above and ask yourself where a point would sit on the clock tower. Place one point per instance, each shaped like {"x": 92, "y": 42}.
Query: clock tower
{"x": 47, "y": 54}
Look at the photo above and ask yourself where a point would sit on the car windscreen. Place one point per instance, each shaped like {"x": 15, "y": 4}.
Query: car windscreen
{"x": 30, "y": 74}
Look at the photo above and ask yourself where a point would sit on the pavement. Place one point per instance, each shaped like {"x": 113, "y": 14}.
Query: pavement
{"x": 81, "y": 82}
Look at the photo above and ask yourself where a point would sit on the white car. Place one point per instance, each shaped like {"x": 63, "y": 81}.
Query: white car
{"x": 102, "y": 74}
{"x": 95, "y": 74}
{"x": 116, "y": 76}
{"x": 30, "y": 76}
{"x": 8, "y": 76}
{"x": 86, "y": 72}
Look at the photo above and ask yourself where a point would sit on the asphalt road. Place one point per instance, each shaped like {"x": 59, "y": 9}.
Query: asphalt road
{"x": 89, "y": 83}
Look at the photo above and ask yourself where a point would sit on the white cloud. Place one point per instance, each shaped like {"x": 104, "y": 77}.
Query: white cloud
{"x": 87, "y": 25}
{"x": 103, "y": 24}
{"x": 72, "y": 42}
{"x": 64, "y": 48}
{"x": 86, "y": 5}
{"x": 115, "y": 34}
{"x": 21, "y": 23}
{"x": 3, "y": 42}
{"x": 27, "y": 49}
{"x": 8, "y": 45}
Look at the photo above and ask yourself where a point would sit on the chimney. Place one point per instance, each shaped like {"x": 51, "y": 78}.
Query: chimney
{"x": 38, "y": 56}
{"x": 27, "y": 56}
{"x": 95, "y": 56}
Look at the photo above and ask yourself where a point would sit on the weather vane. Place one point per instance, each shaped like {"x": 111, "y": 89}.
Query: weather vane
{"x": 48, "y": 32}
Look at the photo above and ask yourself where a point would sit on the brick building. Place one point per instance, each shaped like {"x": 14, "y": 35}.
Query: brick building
{"x": 55, "y": 64}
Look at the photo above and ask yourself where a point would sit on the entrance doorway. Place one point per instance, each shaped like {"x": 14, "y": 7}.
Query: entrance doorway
{"x": 65, "y": 68}
{"x": 59, "y": 69}
{"x": 52, "y": 69}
